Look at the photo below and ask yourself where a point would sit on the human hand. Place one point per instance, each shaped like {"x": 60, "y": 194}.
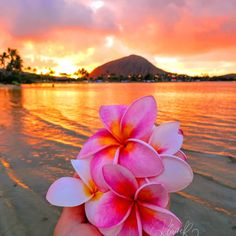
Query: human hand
{"x": 73, "y": 222}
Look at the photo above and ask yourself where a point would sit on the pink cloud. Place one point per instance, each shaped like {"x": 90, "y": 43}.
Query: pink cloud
{"x": 177, "y": 27}
{"x": 39, "y": 17}
{"x": 171, "y": 28}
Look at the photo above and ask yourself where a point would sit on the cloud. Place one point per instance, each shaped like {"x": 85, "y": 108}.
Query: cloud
{"x": 39, "y": 17}
{"x": 184, "y": 30}
{"x": 212, "y": 63}
{"x": 167, "y": 27}
{"x": 177, "y": 27}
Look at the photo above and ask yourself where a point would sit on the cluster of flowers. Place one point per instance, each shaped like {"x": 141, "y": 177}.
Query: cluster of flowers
{"x": 126, "y": 171}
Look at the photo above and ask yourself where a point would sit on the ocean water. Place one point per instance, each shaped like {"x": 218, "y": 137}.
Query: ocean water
{"x": 42, "y": 127}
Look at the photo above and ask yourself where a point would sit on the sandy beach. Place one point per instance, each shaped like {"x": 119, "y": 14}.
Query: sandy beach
{"x": 204, "y": 207}
{"x": 37, "y": 141}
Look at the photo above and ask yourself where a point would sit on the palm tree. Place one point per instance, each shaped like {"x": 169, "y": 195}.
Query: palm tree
{"x": 28, "y": 68}
{"x": 3, "y": 58}
{"x": 12, "y": 52}
{"x": 51, "y": 71}
{"x": 83, "y": 73}
{"x": 16, "y": 62}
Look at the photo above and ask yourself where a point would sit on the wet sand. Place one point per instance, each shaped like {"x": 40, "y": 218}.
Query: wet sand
{"x": 206, "y": 208}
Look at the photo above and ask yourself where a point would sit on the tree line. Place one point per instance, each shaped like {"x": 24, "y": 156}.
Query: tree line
{"x": 11, "y": 60}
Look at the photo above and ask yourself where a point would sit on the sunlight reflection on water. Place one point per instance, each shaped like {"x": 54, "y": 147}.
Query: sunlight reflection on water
{"x": 67, "y": 114}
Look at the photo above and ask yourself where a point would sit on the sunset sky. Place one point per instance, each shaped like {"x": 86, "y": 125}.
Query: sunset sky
{"x": 183, "y": 36}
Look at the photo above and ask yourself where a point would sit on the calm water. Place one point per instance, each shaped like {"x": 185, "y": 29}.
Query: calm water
{"x": 42, "y": 127}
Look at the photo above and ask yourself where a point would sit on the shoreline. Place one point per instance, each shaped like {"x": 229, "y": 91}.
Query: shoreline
{"x": 23, "y": 203}
{"x": 130, "y": 82}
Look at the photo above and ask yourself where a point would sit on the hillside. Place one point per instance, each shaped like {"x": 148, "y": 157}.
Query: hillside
{"x": 125, "y": 66}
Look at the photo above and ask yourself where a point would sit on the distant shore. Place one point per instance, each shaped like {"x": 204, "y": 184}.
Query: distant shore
{"x": 106, "y": 82}
{"x": 20, "y": 77}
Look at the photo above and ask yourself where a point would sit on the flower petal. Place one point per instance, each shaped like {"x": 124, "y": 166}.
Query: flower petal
{"x": 181, "y": 155}
{"x": 100, "y": 159}
{"x": 154, "y": 194}
{"x": 177, "y": 174}
{"x": 166, "y": 138}
{"x": 120, "y": 180}
{"x": 82, "y": 168}
{"x": 140, "y": 158}
{"x": 99, "y": 141}
{"x": 132, "y": 226}
{"x": 68, "y": 192}
{"x": 113, "y": 231}
{"x": 106, "y": 210}
{"x": 142, "y": 181}
{"x": 158, "y": 221}
{"x": 139, "y": 118}
{"x": 111, "y": 117}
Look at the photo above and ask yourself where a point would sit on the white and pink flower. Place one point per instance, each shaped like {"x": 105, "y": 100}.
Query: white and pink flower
{"x": 123, "y": 140}
{"x": 126, "y": 172}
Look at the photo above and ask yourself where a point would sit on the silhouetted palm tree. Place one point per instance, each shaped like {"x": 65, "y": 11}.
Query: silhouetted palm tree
{"x": 3, "y": 58}
{"x": 18, "y": 64}
{"x": 51, "y": 71}
{"x": 15, "y": 61}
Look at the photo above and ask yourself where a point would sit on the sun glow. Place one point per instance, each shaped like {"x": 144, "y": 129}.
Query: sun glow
{"x": 109, "y": 41}
{"x": 174, "y": 65}
{"x": 43, "y": 71}
{"x": 170, "y": 64}
{"x": 65, "y": 66}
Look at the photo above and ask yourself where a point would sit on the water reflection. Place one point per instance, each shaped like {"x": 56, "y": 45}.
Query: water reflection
{"x": 69, "y": 113}
{"x": 11, "y": 174}
{"x": 37, "y": 116}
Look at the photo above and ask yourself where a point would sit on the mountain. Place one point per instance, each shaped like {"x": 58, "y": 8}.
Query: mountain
{"x": 227, "y": 76}
{"x": 125, "y": 66}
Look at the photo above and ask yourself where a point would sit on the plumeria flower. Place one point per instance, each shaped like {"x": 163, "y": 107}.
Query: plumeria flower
{"x": 72, "y": 191}
{"x": 123, "y": 139}
{"x": 177, "y": 174}
{"x": 128, "y": 209}
{"x": 167, "y": 140}
{"x": 126, "y": 171}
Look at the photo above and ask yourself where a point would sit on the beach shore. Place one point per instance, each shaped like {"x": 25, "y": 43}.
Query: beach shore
{"x": 43, "y": 128}
{"x": 24, "y": 210}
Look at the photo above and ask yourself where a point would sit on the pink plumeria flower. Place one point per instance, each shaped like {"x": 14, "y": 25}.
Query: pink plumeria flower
{"x": 128, "y": 209}
{"x": 167, "y": 139}
{"x": 71, "y": 191}
{"x": 176, "y": 176}
{"x": 123, "y": 140}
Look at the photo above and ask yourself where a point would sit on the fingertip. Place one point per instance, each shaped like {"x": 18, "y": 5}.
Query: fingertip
{"x": 75, "y": 213}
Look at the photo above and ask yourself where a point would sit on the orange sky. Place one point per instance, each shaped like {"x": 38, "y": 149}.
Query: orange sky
{"x": 183, "y": 36}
